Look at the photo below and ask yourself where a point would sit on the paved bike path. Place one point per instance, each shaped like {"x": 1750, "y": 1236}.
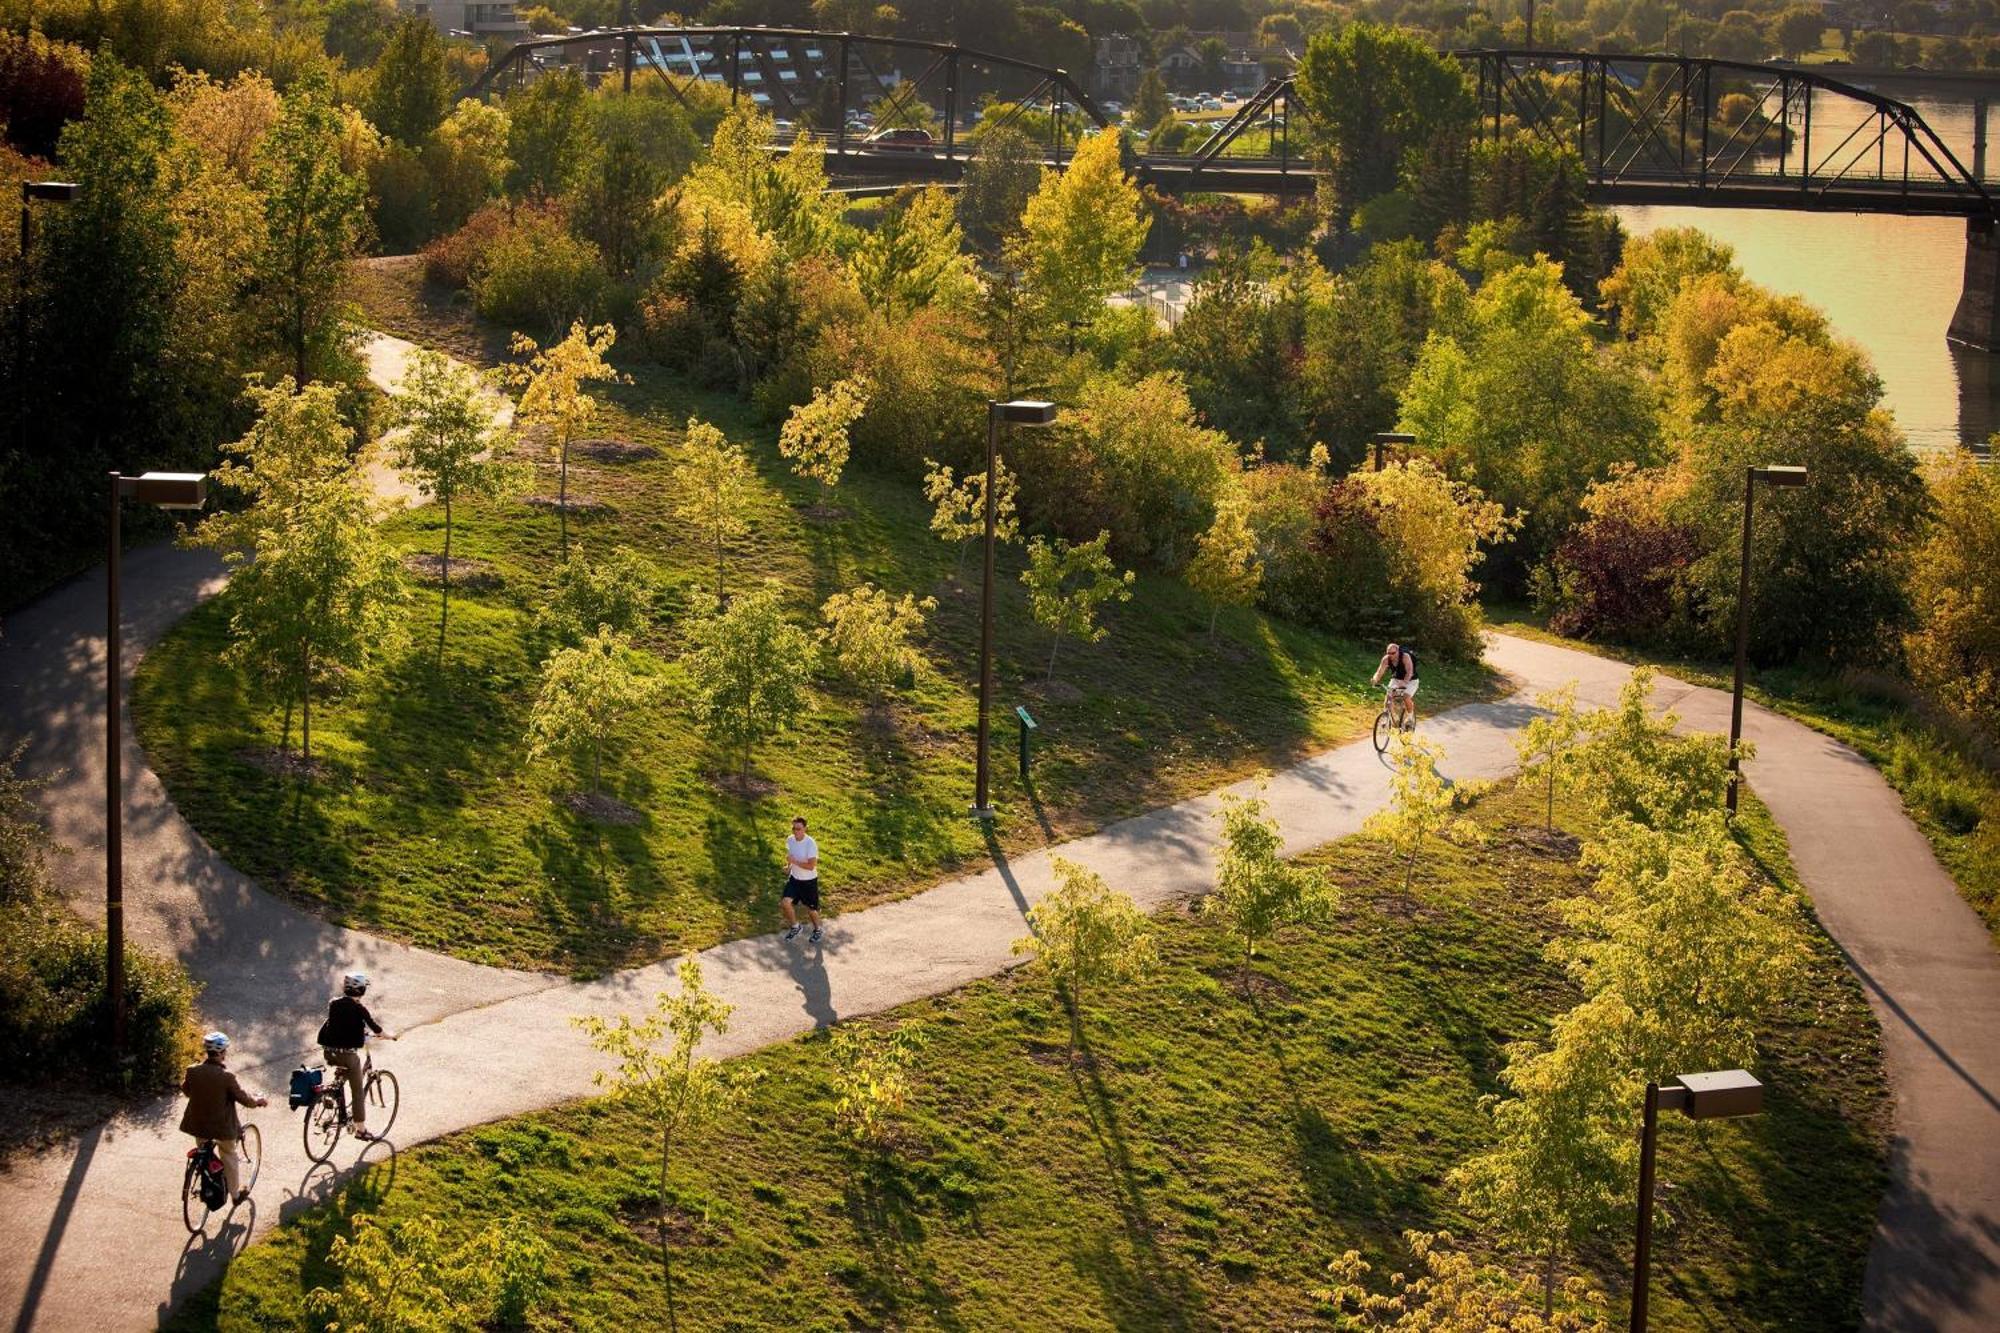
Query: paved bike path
{"x": 92, "y": 1233}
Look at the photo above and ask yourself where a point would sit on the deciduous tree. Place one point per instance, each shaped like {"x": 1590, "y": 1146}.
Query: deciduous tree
{"x": 618, "y": 592}
{"x": 871, "y": 1069}
{"x": 914, "y": 257}
{"x": 672, "y": 1085}
{"x": 747, "y": 669}
{"x": 407, "y": 1275}
{"x": 814, "y": 437}
{"x": 445, "y": 446}
{"x": 1548, "y": 743}
{"x": 1225, "y": 568}
{"x": 1087, "y": 934}
{"x": 552, "y": 384}
{"x": 411, "y": 89}
{"x": 1376, "y": 93}
{"x": 588, "y": 696}
{"x": 314, "y": 219}
{"x": 1423, "y": 803}
{"x": 867, "y": 635}
{"x": 712, "y": 480}
{"x": 1081, "y": 233}
{"x": 1067, "y": 583}
{"x": 959, "y": 513}
{"x": 1256, "y": 889}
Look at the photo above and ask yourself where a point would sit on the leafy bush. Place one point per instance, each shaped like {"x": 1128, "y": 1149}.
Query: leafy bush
{"x": 54, "y": 1009}
{"x": 453, "y": 260}
{"x": 536, "y": 276}
{"x": 1618, "y": 575}
{"x": 1400, "y": 546}
{"x": 1954, "y": 654}
{"x": 41, "y": 90}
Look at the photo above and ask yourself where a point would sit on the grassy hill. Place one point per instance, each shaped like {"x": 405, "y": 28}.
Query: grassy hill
{"x": 426, "y": 821}
{"x": 1213, "y": 1148}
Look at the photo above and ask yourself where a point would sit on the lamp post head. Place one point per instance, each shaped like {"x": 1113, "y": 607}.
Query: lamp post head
{"x": 1720, "y": 1095}
{"x": 1024, "y": 412}
{"x": 166, "y": 490}
{"x": 1780, "y": 475}
{"x": 55, "y": 192}
{"x": 1394, "y": 437}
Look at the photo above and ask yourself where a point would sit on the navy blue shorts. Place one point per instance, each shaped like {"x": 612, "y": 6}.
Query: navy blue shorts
{"x": 804, "y": 892}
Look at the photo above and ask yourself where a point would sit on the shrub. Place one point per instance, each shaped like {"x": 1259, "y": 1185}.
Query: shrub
{"x": 1284, "y": 505}
{"x": 1618, "y": 575}
{"x": 454, "y": 260}
{"x": 53, "y": 1005}
{"x": 41, "y": 90}
{"x": 536, "y": 276}
{"x": 1954, "y": 654}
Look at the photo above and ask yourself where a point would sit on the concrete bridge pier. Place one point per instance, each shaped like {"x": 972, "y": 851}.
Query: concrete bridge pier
{"x": 1977, "y": 321}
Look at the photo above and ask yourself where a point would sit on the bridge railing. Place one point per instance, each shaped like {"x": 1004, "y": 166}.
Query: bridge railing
{"x": 1665, "y": 126}
{"x": 845, "y": 88}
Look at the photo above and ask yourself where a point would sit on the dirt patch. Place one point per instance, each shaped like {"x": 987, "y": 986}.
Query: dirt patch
{"x": 601, "y": 809}
{"x": 575, "y": 504}
{"x": 283, "y": 763}
{"x": 751, "y": 788}
{"x": 466, "y": 572}
{"x": 612, "y": 451}
{"x": 1056, "y": 692}
{"x": 1255, "y": 984}
{"x": 1544, "y": 842}
{"x": 823, "y": 513}
{"x": 643, "y": 1220}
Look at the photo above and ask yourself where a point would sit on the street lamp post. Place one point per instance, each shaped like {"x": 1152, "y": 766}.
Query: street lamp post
{"x": 163, "y": 490}
{"x": 55, "y": 192}
{"x": 1017, "y": 412}
{"x": 1383, "y": 439}
{"x": 1726, "y": 1094}
{"x": 1770, "y": 476}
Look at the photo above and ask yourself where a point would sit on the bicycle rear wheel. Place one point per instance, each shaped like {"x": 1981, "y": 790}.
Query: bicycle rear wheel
{"x": 323, "y": 1125}
{"x": 1383, "y": 726}
{"x": 385, "y": 1098}
{"x": 193, "y": 1211}
{"x": 250, "y": 1155}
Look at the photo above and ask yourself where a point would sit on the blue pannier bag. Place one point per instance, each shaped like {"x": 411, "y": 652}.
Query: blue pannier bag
{"x": 305, "y": 1086}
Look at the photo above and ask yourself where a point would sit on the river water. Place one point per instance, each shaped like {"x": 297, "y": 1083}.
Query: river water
{"x": 1889, "y": 283}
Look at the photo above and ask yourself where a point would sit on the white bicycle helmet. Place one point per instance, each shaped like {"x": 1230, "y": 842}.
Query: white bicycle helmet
{"x": 215, "y": 1043}
{"x": 354, "y": 983}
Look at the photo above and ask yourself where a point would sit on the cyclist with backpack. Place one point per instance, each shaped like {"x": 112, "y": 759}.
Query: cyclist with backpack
{"x": 1399, "y": 664}
{"x": 342, "y": 1036}
{"x": 213, "y": 1098}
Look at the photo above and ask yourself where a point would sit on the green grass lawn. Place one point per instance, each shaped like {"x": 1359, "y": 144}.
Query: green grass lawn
{"x": 1946, "y": 789}
{"x": 1195, "y": 1170}
{"x": 427, "y": 822}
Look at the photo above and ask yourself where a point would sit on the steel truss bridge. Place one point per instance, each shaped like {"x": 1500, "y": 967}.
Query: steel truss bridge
{"x": 1651, "y": 129}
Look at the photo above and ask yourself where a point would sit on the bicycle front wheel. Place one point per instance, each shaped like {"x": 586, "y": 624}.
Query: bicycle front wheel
{"x": 193, "y": 1211}
{"x": 323, "y": 1125}
{"x": 1383, "y": 726}
{"x": 250, "y": 1152}
{"x": 384, "y": 1100}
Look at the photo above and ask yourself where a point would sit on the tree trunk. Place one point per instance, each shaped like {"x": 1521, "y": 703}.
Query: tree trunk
{"x": 306, "y": 696}
{"x": 1549, "y": 1282}
{"x": 1053, "y": 649}
{"x": 718, "y": 565}
{"x": 285, "y": 736}
{"x": 1213, "y": 613}
{"x": 444, "y": 605}
{"x": 596, "y": 765}
{"x": 1552, "y": 796}
{"x": 562, "y": 493}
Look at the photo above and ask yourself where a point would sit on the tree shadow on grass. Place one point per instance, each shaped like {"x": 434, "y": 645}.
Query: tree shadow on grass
{"x": 745, "y": 871}
{"x": 901, "y": 825}
{"x": 900, "y": 1279}
{"x": 1141, "y": 1284}
{"x": 581, "y": 901}
{"x": 1338, "y": 1176}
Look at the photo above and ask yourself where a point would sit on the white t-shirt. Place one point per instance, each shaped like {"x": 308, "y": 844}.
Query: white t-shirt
{"x": 802, "y": 849}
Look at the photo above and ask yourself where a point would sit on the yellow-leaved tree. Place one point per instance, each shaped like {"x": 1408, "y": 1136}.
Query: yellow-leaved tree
{"x": 680, "y": 1092}
{"x": 867, "y": 635}
{"x": 1086, "y": 934}
{"x": 959, "y": 513}
{"x": 871, "y": 1073}
{"x": 1067, "y": 583}
{"x": 552, "y": 384}
{"x": 1225, "y": 568}
{"x": 1423, "y": 803}
{"x": 587, "y": 698}
{"x": 1080, "y": 234}
{"x": 712, "y": 482}
{"x": 1548, "y": 743}
{"x": 1954, "y": 653}
{"x": 1256, "y": 889}
{"x": 814, "y": 438}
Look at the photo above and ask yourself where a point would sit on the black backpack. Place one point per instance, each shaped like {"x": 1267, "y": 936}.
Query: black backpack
{"x": 213, "y": 1188}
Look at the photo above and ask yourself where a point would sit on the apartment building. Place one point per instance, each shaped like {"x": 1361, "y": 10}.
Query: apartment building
{"x": 477, "y": 18}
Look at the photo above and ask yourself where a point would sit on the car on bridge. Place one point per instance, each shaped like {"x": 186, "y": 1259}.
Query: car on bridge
{"x": 901, "y": 139}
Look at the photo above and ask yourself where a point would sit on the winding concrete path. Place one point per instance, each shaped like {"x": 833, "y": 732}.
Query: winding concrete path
{"x": 92, "y": 1237}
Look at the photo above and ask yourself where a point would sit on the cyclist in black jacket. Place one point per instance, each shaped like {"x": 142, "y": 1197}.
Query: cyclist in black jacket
{"x": 342, "y": 1036}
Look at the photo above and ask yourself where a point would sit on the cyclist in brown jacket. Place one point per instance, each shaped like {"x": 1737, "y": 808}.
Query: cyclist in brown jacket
{"x": 213, "y": 1095}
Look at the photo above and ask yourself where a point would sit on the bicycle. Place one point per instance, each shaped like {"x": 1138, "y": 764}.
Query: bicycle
{"x": 249, "y": 1151}
{"x": 1394, "y": 717}
{"x": 326, "y": 1114}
